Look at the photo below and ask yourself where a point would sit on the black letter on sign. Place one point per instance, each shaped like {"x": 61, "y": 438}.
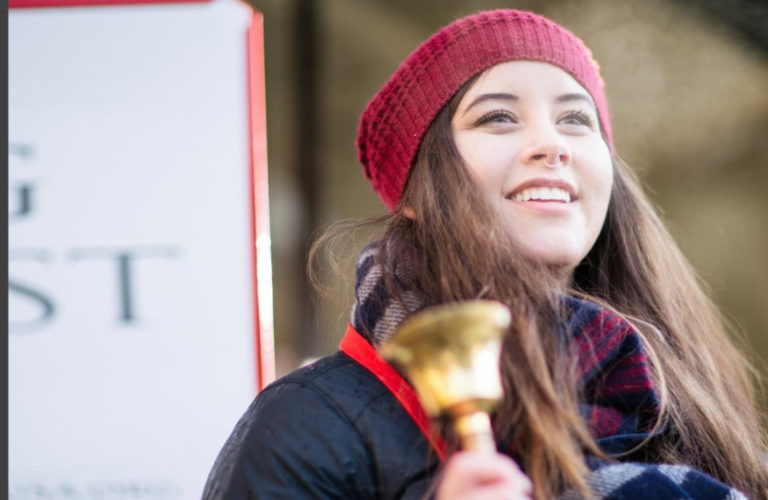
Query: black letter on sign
{"x": 24, "y": 205}
{"x": 47, "y": 308}
{"x": 45, "y": 304}
{"x": 20, "y": 154}
{"x": 124, "y": 258}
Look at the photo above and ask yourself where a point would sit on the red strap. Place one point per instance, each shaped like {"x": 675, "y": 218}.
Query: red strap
{"x": 356, "y": 347}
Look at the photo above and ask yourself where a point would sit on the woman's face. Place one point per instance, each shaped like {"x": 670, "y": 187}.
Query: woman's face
{"x": 530, "y": 136}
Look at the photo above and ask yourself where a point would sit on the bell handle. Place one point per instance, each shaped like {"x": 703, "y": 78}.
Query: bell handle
{"x": 475, "y": 432}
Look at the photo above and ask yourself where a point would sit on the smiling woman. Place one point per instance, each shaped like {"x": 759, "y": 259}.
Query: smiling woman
{"x": 492, "y": 147}
{"x": 530, "y": 136}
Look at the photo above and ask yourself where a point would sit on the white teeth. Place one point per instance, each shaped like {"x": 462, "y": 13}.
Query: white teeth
{"x": 543, "y": 194}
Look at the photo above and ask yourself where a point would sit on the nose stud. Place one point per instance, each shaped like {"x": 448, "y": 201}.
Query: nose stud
{"x": 559, "y": 159}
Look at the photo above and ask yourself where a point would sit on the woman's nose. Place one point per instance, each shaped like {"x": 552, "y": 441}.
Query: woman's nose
{"x": 547, "y": 148}
{"x": 552, "y": 159}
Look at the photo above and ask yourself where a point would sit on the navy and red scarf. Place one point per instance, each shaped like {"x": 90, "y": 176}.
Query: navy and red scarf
{"x": 619, "y": 399}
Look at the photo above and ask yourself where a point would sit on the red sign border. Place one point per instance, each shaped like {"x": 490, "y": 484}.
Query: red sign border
{"x": 257, "y": 105}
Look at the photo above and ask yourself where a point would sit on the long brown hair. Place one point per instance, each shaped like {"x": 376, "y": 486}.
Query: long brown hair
{"x": 707, "y": 385}
{"x": 457, "y": 256}
{"x": 457, "y": 251}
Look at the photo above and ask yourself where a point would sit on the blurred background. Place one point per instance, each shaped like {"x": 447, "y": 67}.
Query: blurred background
{"x": 687, "y": 82}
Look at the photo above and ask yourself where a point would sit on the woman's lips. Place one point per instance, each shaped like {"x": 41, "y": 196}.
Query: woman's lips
{"x": 544, "y": 207}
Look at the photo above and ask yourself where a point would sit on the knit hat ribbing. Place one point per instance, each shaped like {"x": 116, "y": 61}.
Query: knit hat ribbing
{"x": 395, "y": 120}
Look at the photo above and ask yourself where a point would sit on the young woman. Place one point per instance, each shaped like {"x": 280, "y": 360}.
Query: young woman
{"x": 492, "y": 147}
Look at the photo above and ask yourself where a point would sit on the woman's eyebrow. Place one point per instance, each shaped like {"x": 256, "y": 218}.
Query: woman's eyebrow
{"x": 500, "y": 96}
{"x": 575, "y": 97}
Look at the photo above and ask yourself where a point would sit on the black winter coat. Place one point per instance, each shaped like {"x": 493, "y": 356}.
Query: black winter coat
{"x": 329, "y": 430}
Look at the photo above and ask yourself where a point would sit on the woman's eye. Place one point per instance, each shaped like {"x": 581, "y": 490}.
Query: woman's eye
{"x": 576, "y": 118}
{"x": 498, "y": 116}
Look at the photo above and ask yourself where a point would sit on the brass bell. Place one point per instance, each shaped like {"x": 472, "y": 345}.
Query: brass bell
{"x": 450, "y": 353}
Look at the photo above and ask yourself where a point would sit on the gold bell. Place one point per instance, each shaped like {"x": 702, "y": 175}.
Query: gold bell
{"x": 450, "y": 353}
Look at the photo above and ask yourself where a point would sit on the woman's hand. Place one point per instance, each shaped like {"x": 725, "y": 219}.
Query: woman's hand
{"x": 480, "y": 476}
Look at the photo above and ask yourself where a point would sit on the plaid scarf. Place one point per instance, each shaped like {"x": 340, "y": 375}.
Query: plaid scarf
{"x": 618, "y": 397}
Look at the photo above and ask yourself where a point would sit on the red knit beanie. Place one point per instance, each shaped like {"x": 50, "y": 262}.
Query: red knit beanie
{"x": 397, "y": 117}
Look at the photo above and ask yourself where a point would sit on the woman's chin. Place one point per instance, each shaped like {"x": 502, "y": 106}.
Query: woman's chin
{"x": 560, "y": 257}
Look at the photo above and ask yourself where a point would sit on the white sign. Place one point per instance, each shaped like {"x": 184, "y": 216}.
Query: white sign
{"x": 131, "y": 269}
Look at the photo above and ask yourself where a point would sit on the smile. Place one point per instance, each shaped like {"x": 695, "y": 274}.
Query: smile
{"x": 543, "y": 194}
{"x": 542, "y": 190}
